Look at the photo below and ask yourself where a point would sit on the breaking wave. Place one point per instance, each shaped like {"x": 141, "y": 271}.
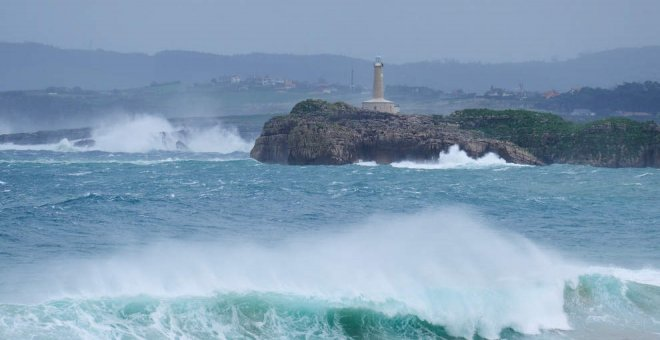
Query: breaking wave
{"x": 455, "y": 158}
{"x": 146, "y": 133}
{"x": 435, "y": 274}
{"x": 366, "y": 163}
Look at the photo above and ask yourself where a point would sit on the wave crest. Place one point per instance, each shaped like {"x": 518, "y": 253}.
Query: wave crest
{"x": 455, "y": 158}
{"x": 443, "y": 272}
{"x": 146, "y": 133}
{"x": 444, "y": 267}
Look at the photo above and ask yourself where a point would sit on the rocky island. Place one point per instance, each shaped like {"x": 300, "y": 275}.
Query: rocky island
{"x": 319, "y": 132}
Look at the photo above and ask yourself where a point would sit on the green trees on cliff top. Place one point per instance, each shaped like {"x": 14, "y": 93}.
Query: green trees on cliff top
{"x": 550, "y": 138}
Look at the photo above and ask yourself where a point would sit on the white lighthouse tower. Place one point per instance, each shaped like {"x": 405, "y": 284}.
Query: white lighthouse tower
{"x": 378, "y": 101}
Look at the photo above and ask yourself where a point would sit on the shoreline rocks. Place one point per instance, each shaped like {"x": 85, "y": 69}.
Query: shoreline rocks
{"x": 317, "y": 132}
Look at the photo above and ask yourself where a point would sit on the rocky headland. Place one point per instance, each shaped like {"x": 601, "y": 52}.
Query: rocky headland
{"x": 319, "y": 132}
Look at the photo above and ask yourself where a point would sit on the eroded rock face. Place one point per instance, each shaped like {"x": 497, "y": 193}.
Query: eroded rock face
{"x": 318, "y": 132}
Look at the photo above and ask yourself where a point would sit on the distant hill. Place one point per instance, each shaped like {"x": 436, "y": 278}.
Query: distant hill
{"x": 603, "y": 69}
{"x": 640, "y": 99}
{"x": 36, "y": 66}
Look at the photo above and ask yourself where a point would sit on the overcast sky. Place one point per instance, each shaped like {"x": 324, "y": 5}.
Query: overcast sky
{"x": 400, "y": 31}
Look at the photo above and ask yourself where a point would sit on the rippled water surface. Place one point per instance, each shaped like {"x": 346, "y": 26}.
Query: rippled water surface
{"x": 211, "y": 245}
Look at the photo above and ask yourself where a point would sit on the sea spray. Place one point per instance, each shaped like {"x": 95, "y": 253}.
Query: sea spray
{"x": 72, "y": 246}
{"x": 144, "y": 133}
{"x": 445, "y": 267}
{"x": 454, "y": 158}
{"x": 217, "y": 138}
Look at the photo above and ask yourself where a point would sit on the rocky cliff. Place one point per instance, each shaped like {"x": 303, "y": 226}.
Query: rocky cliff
{"x": 317, "y": 132}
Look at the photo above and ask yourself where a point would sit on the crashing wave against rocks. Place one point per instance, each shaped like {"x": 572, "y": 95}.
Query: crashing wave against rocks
{"x": 318, "y": 132}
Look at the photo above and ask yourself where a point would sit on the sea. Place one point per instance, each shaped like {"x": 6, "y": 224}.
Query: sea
{"x": 134, "y": 239}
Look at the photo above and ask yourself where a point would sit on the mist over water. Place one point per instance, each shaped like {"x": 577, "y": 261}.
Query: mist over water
{"x": 146, "y": 133}
{"x": 5, "y": 127}
{"x": 445, "y": 266}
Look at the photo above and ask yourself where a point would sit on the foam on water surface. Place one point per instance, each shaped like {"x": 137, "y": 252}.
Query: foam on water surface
{"x": 444, "y": 267}
{"x": 169, "y": 244}
{"x": 146, "y": 133}
{"x": 455, "y": 158}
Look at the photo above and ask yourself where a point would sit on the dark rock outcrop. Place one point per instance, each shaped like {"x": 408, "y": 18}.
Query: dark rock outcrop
{"x": 317, "y": 132}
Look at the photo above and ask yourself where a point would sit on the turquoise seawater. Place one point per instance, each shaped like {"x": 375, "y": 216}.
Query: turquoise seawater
{"x": 165, "y": 244}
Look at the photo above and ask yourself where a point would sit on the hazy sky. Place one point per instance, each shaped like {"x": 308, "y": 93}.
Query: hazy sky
{"x": 411, "y": 30}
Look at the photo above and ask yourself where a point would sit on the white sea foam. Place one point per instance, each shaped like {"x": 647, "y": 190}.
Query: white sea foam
{"x": 79, "y": 173}
{"x": 366, "y": 163}
{"x": 455, "y": 158}
{"x": 145, "y": 133}
{"x": 445, "y": 267}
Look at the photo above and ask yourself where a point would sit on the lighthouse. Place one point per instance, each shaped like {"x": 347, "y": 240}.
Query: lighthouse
{"x": 378, "y": 101}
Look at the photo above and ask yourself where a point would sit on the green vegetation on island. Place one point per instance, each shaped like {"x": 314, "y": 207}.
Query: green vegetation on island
{"x": 319, "y": 132}
{"x": 613, "y": 142}
{"x": 321, "y": 107}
